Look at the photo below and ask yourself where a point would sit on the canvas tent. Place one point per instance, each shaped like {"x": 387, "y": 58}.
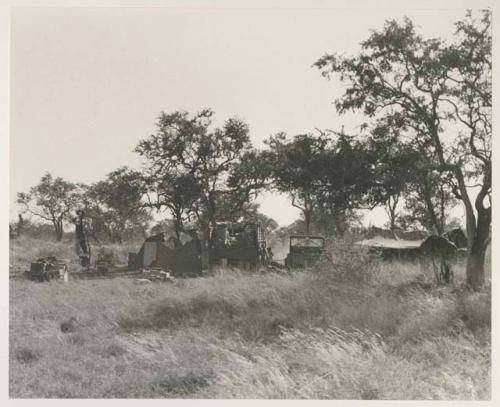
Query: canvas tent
{"x": 394, "y": 244}
{"x": 410, "y": 245}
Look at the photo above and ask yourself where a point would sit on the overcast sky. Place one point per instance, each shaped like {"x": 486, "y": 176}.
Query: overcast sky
{"x": 88, "y": 83}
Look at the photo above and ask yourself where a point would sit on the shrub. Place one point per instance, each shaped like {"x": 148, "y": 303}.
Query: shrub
{"x": 344, "y": 261}
{"x": 26, "y": 355}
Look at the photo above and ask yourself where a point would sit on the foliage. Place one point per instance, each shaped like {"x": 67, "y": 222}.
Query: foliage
{"x": 34, "y": 229}
{"x": 296, "y": 165}
{"x": 207, "y": 166}
{"x": 425, "y": 84}
{"x": 179, "y": 194}
{"x": 395, "y": 164}
{"x": 428, "y": 203}
{"x": 347, "y": 179}
{"x": 327, "y": 176}
{"x": 114, "y": 205}
{"x": 51, "y": 200}
{"x": 343, "y": 261}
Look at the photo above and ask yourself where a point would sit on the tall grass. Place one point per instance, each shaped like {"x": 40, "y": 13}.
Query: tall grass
{"x": 24, "y": 250}
{"x": 322, "y": 333}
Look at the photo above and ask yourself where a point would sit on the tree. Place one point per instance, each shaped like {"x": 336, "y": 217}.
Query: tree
{"x": 394, "y": 168}
{"x": 179, "y": 193}
{"x": 405, "y": 173}
{"x": 430, "y": 85}
{"x": 428, "y": 200}
{"x": 346, "y": 179}
{"x": 51, "y": 200}
{"x": 469, "y": 59}
{"x": 296, "y": 165}
{"x": 114, "y": 204}
{"x": 327, "y": 176}
{"x": 187, "y": 147}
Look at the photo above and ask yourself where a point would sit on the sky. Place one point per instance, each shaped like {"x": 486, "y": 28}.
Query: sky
{"x": 88, "y": 83}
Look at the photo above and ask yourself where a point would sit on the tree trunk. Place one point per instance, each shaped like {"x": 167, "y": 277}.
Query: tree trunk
{"x": 307, "y": 221}
{"x": 426, "y": 195}
{"x": 475, "y": 267}
{"x": 58, "y": 229}
{"x": 392, "y": 220}
{"x": 340, "y": 224}
{"x": 111, "y": 235}
{"x": 391, "y": 206}
{"x": 20, "y": 225}
{"x": 477, "y": 250}
{"x": 177, "y": 226}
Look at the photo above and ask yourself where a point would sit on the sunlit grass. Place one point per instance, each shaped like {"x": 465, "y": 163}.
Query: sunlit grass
{"x": 313, "y": 334}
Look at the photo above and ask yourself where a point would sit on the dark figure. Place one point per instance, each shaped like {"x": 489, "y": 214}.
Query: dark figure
{"x": 81, "y": 238}
{"x": 441, "y": 253}
{"x": 20, "y": 225}
{"x": 270, "y": 255}
{"x": 196, "y": 239}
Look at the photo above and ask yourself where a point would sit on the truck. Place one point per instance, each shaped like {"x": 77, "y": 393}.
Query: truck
{"x": 47, "y": 268}
{"x": 236, "y": 244}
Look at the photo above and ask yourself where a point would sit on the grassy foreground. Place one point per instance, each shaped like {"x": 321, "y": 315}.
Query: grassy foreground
{"x": 352, "y": 329}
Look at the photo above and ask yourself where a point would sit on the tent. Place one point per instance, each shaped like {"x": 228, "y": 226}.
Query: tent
{"x": 394, "y": 244}
{"x": 409, "y": 245}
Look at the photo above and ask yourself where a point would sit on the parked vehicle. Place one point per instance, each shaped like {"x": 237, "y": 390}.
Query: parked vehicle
{"x": 181, "y": 259}
{"x": 304, "y": 251}
{"x": 48, "y": 268}
{"x": 238, "y": 244}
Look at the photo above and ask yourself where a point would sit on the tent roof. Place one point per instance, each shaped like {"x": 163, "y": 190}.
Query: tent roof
{"x": 385, "y": 243}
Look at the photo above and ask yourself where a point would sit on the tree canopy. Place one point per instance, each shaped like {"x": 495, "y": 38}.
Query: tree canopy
{"x": 114, "y": 204}
{"x": 52, "y": 199}
{"x": 207, "y": 166}
{"x": 429, "y": 86}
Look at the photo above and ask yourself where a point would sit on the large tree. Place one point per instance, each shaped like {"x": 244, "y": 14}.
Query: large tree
{"x": 432, "y": 85}
{"x": 52, "y": 200}
{"x": 346, "y": 179}
{"x": 405, "y": 174}
{"x": 114, "y": 204}
{"x": 178, "y": 193}
{"x": 328, "y": 176}
{"x": 190, "y": 148}
{"x": 296, "y": 167}
{"x": 394, "y": 168}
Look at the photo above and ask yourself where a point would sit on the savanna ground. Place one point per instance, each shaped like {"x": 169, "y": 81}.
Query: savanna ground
{"x": 353, "y": 328}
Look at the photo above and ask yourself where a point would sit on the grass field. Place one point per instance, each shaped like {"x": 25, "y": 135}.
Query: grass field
{"x": 354, "y": 328}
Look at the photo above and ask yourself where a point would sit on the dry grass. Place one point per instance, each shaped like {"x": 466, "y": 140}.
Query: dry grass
{"x": 317, "y": 334}
{"x": 26, "y": 249}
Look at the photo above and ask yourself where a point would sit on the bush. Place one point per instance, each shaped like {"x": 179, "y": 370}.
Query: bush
{"x": 344, "y": 261}
{"x": 26, "y": 355}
